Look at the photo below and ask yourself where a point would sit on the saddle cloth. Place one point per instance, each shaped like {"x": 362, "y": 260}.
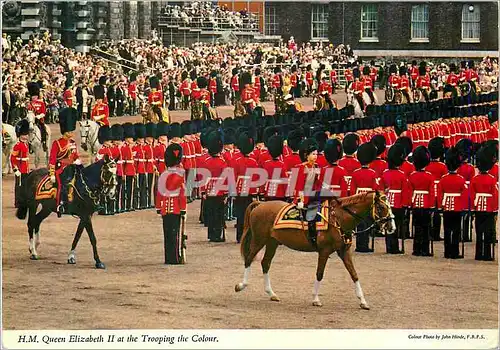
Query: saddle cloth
{"x": 291, "y": 217}
{"x": 47, "y": 190}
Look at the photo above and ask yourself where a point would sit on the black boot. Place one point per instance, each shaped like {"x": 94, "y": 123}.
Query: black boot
{"x": 62, "y": 206}
{"x": 312, "y": 233}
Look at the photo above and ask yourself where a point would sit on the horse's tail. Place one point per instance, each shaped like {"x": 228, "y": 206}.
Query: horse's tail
{"x": 247, "y": 232}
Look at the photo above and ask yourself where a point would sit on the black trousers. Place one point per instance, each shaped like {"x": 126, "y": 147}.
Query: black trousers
{"x": 485, "y": 235}
{"x": 392, "y": 241}
{"x": 363, "y": 238}
{"x": 149, "y": 190}
{"x": 118, "y": 202}
{"x": 467, "y": 231}
{"x": 240, "y": 206}
{"x": 359, "y": 98}
{"x": 128, "y": 192}
{"x": 452, "y": 222}
{"x": 20, "y": 180}
{"x": 214, "y": 218}
{"x": 172, "y": 240}
{"x": 422, "y": 224}
{"x": 370, "y": 93}
{"x": 140, "y": 192}
{"x": 111, "y": 105}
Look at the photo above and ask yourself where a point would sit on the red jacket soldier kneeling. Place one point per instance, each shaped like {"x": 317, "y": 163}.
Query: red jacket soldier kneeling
{"x": 171, "y": 197}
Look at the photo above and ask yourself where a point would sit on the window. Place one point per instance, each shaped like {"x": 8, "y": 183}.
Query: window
{"x": 271, "y": 24}
{"x": 420, "y": 23}
{"x": 369, "y": 18}
{"x": 470, "y": 23}
{"x": 319, "y": 22}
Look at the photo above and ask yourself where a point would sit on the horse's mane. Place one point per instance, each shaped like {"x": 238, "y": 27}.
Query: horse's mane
{"x": 92, "y": 173}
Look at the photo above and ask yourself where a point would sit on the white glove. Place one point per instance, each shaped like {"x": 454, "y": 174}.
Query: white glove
{"x": 17, "y": 172}
{"x": 77, "y": 162}
{"x": 300, "y": 205}
{"x": 53, "y": 179}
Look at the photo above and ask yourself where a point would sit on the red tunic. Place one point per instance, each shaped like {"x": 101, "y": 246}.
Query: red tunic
{"x": 379, "y": 165}
{"x": 104, "y": 150}
{"x": 175, "y": 200}
{"x": 257, "y": 86}
{"x": 241, "y": 167}
{"x": 215, "y": 165}
{"x": 333, "y": 76}
{"x": 212, "y": 86}
{"x": 407, "y": 168}
{"x": 452, "y": 193}
{"x": 149, "y": 157}
{"x": 422, "y": 189}
{"x": 188, "y": 155}
{"x": 438, "y": 170}
{"x": 325, "y": 86}
{"x": 62, "y": 153}
{"x": 273, "y": 186}
{"x": 185, "y": 88}
{"x": 452, "y": 79}
{"x": 396, "y": 184}
{"x": 159, "y": 156}
{"x": 100, "y": 114}
{"x": 248, "y": 96}
{"x": 139, "y": 159}
{"x": 467, "y": 171}
{"x": 155, "y": 98}
{"x": 292, "y": 161}
{"x": 235, "y": 84}
{"x": 309, "y": 78}
{"x": 332, "y": 177}
{"x": 19, "y": 158}
{"x": 68, "y": 97}
{"x": 132, "y": 90}
{"x": 484, "y": 193}
{"x": 350, "y": 164}
{"x": 116, "y": 154}
{"x": 127, "y": 152}
{"x": 38, "y": 107}
{"x": 364, "y": 180}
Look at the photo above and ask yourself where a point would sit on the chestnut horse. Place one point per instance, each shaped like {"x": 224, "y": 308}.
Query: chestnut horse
{"x": 345, "y": 215}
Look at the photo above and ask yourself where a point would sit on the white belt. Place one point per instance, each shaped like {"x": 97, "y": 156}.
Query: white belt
{"x": 128, "y": 161}
{"x": 188, "y": 157}
{"x": 141, "y": 160}
{"x": 450, "y": 195}
{"x": 150, "y": 160}
{"x": 481, "y": 195}
{"x": 363, "y": 190}
{"x": 161, "y": 160}
{"x": 22, "y": 158}
{"x": 420, "y": 192}
{"x": 119, "y": 162}
{"x": 395, "y": 191}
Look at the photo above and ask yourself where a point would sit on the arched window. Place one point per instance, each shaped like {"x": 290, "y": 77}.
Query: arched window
{"x": 470, "y": 23}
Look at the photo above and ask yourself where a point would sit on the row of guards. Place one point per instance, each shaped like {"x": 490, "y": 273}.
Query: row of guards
{"x": 276, "y": 142}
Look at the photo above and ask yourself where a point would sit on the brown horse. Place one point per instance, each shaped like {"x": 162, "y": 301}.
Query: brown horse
{"x": 345, "y": 215}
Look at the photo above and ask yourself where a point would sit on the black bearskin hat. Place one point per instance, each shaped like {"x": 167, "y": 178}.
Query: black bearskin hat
{"x": 421, "y": 71}
{"x": 268, "y": 132}
{"x": 463, "y": 64}
{"x": 493, "y": 115}
{"x": 173, "y": 155}
{"x": 117, "y": 132}
{"x": 333, "y": 150}
{"x": 104, "y": 134}
{"x": 355, "y": 72}
{"x": 366, "y": 70}
{"x": 128, "y": 131}
{"x": 202, "y": 82}
{"x": 67, "y": 119}
{"x": 436, "y": 147}
{"x": 140, "y": 131}
{"x": 367, "y": 153}
{"x": 99, "y": 92}
{"x": 295, "y": 137}
{"x": 162, "y": 129}
{"x": 235, "y": 71}
{"x": 22, "y": 127}
{"x": 484, "y": 160}
{"x": 320, "y": 137}
{"x": 133, "y": 76}
{"x": 406, "y": 142}
{"x": 229, "y": 136}
{"x": 245, "y": 143}
{"x": 277, "y": 70}
{"x": 452, "y": 159}
{"x": 154, "y": 82}
{"x": 186, "y": 128}
{"x": 184, "y": 75}
{"x": 275, "y": 146}
{"x": 151, "y": 130}
{"x": 453, "y": 67}
{"x": 393, "y": 69}
{"x": 245, "y": 79}
{"x": 257, "y": 71}
{"x": 213, "y": 74}
{"x": 103, "y": 80}
{"x": 395, "y": 156}
{"x": 379, "y": 142}
{"x": 402, "y": 70}
{"x": 214, "y": 143}
{"x": 350, "y": 143}
{"x": 33, "y": 89}
{"x": 470, "y": 64}
{"x": 464, "y": 148}
{"x": 307, "y": 146}
{"x": 421, "y": 157}
{"x": 414, "y": 63}
{"x": 175, "y": 131}
{"x": 192, "y": 74}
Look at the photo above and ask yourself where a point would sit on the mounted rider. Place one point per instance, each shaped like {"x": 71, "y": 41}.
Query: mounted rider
{"x": 248, "y": 97}
{"x": 368, "y": 83}
{"x": 64, "y": 152}
{"x": 358, "y": 88}
{"x": 155, "y": 97}
{"x": 39, "y": 109}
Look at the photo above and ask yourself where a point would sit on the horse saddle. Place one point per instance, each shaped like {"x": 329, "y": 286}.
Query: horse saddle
{"x": 47, "y": 190}
{"x": 291, "y": 217}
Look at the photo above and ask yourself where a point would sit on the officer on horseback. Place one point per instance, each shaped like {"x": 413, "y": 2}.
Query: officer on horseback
{"x": 100, "y": 112}
{"x": 37, "y": 106}
{"x": 64, "y": 152}
{"x": 155, "y": 97}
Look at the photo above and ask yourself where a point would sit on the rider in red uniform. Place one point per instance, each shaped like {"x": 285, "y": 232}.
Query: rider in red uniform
{"x": 100, "y": 112}
{"x": 37, "y": 106}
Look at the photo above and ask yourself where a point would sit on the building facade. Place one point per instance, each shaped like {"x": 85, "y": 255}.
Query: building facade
{"x": 78, "y": 24}
{"x": 441, "y": 29}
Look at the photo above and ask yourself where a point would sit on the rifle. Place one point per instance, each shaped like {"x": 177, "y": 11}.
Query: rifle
{"x": 183, "y": 239}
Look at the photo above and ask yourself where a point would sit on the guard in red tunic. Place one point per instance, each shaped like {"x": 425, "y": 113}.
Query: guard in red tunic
{"x": 451, "y": 189}
{"x": 129, "y": 171}
{"x": 414, "y": 73}
{"x": 324, "y": 87}
{"x": 484, "y": 193}
{"x": 404, "y": 83}
{"x": 212, "y": 87}
{"x": 349, "y": 162}
{"x": 294, "y": 139}
{"x": 132, "y": 92}
{"x": 245, "y": 193}
{"x": 235, "y": 85}
{"x": 308, "y": 186}
{"x": 148, "y": 149}
{"x": 155, "y": 97}
{"x": 159, "y": 153}
{"x": 185, "y": 90}
{"x": 309, "y": 80}
{"x": 321, "y": 138}
{"x": 349, "y": 76}
{"x": 19, "y": 158}
{"x": 140, "y": 167}
{"x": 203, "y": 95}
{"x": 172, "y": 201}
{"x": 68, "y": 95}
{"x": 332, "y": 176}
{"x": 64, "y": 152}
{"x": 214, "y": 203}
{"x": 294, "y": 82}
{"x": 258, "y": 84}
{"x": 438, "y": 169}
{"x": 368, "y": 83}
{"x": 275, "y": 188}
{"x": 396, "y": 185}
{"x": 118, "y": 137}
{"x": 333, "y": 76}
{"x": 465, "y": 149}
{"x": 248, "y": 98}
{"x": 451, "y": 81}
{"x": 358, "y": 88}
{"x": 278, "y": 81}
{"x": 423, "y": 81}
{"x": 37, "y": 106}
{"x": 104, "y": 137}
{"x": 379, "y": 165}
{"x": 422, "y": 198}
{"x": 100, "y": 111}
